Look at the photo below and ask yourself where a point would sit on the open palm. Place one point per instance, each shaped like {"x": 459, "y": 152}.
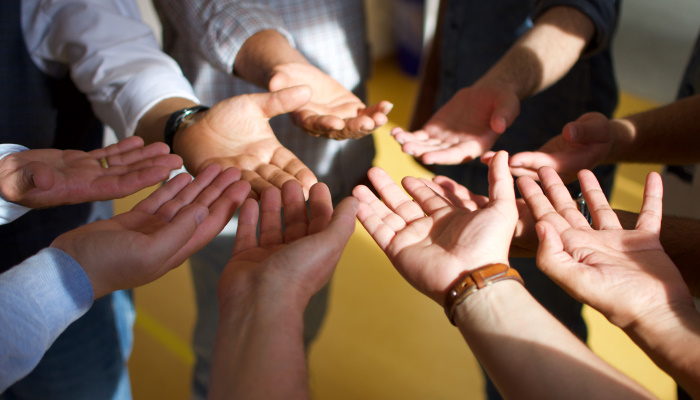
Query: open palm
{"x": 464, "y": 128}
{"x": 429, "y": 240}
{"x": 236, "y": 133}
{"x": 601, "y": 266}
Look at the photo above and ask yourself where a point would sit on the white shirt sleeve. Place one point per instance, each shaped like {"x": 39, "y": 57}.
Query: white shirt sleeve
{"x": 110, "y": 53}
{"x": 10, "y": 211}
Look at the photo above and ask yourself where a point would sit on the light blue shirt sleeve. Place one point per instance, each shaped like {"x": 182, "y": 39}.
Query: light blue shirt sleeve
{"x": 39, "y": 298}
{"x": 10, "y": 211}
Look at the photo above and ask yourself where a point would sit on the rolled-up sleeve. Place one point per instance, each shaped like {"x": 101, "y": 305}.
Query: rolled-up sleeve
{"x": 221, "y": 27}
{"x": 110, "y": 53}
{"x": 602, "y": 13}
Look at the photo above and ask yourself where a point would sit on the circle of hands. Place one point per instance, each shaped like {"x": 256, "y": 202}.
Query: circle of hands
{"x": 439, "y": 235}
{"x": 433, "y": 238}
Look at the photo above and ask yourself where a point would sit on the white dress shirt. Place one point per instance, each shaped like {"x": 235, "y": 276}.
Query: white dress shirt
{"x": 110, "y": 53}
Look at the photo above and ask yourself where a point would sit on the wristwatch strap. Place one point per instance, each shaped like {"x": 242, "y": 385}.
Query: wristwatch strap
{"x": 175, "y": 120}
{"x": 475, "y": 281}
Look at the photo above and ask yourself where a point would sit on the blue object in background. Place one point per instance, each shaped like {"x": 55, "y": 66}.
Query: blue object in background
{"x": 408, "y": 30}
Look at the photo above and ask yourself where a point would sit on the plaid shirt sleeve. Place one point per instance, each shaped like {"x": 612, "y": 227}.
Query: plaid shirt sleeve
{"x": 221, "y": 27}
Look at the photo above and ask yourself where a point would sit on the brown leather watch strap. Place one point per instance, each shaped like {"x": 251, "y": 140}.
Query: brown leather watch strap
{"x": 475, "y": 281}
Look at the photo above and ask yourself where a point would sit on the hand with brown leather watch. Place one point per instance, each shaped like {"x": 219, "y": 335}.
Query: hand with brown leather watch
{"x": 458, "y": 257}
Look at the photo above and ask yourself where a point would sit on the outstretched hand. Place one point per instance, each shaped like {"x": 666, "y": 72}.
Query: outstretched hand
{"x": 236, "y": 133}
{"x": 334, "y": 111}
{"x": 49, "y": 177}
{"x": 603, "y": 265}
{"x": 432, "y": 242}
{"x": 297, "y": 255}
{"x": 159, "y": 233}
{"x": 464, "y": 128}
{"x": 583, "y": 144}
{"x": 525, "y": 240}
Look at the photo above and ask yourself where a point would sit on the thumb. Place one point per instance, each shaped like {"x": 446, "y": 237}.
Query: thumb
{"x": 36, "y": 175}
{"x": 592, "y": 129}
{"x": 505, "y": 112}
{"x": 282, "y": 101}
{"x": 342, "y": 223}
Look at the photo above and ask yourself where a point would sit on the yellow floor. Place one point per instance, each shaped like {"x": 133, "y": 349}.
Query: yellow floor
{"x": 381, "y": 339}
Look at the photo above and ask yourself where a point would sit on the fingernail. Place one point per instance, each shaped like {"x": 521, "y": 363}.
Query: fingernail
{"x": 516, "y": 164}
{"x": 410, "y": 153}
{"x": 387, "y": 109}
{"x": 400, "y": 141}
{"x": 572, "y": 133}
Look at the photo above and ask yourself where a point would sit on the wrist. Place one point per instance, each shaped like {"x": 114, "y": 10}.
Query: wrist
{"x": 249, "y": 291}
{"x": 262, "y": 54}
{"x": 474, "y": 281}
{"x": 503, "y": 83}
{"x": 286, "y": 74}
{"x": 180, "y": 120}
{"x": 494, "y": 300}
{"x": 660, "y": 318}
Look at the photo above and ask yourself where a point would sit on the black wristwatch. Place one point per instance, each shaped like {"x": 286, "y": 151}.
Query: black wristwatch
{"x": 175, "y": 121}
{"x": 583, "y": 208}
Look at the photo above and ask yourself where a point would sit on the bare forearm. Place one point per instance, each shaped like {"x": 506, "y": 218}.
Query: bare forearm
{"x": 679, "y": 239}
{"x": 544, "y": 54}
{"x": 259, "y": 352}
{"x": 667, "y": 134}
{"x": 518, "y": 342}
{"x": 261, "y": 54}
{"x": 672, "y": 341}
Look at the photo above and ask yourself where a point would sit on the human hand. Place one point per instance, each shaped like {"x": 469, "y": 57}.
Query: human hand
{"x": 624, "y": 274}
{"x": 583, "y": 144}
{"x": 49, "y": 177}
{"x": 464, "y": 128}
{"x": 236, "y": 133}
{"x": 525, "y": 240}
{"x": 334, "y": 111}
{"x": 159, "y": 233}
{"x": 432, "y": 242}
{"x": 298, "y": 259}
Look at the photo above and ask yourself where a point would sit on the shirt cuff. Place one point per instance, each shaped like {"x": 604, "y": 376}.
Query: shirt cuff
{"x": 145, "y": 90}
{"x": 602, "y": 13}
{"x": 10, "y": 211}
